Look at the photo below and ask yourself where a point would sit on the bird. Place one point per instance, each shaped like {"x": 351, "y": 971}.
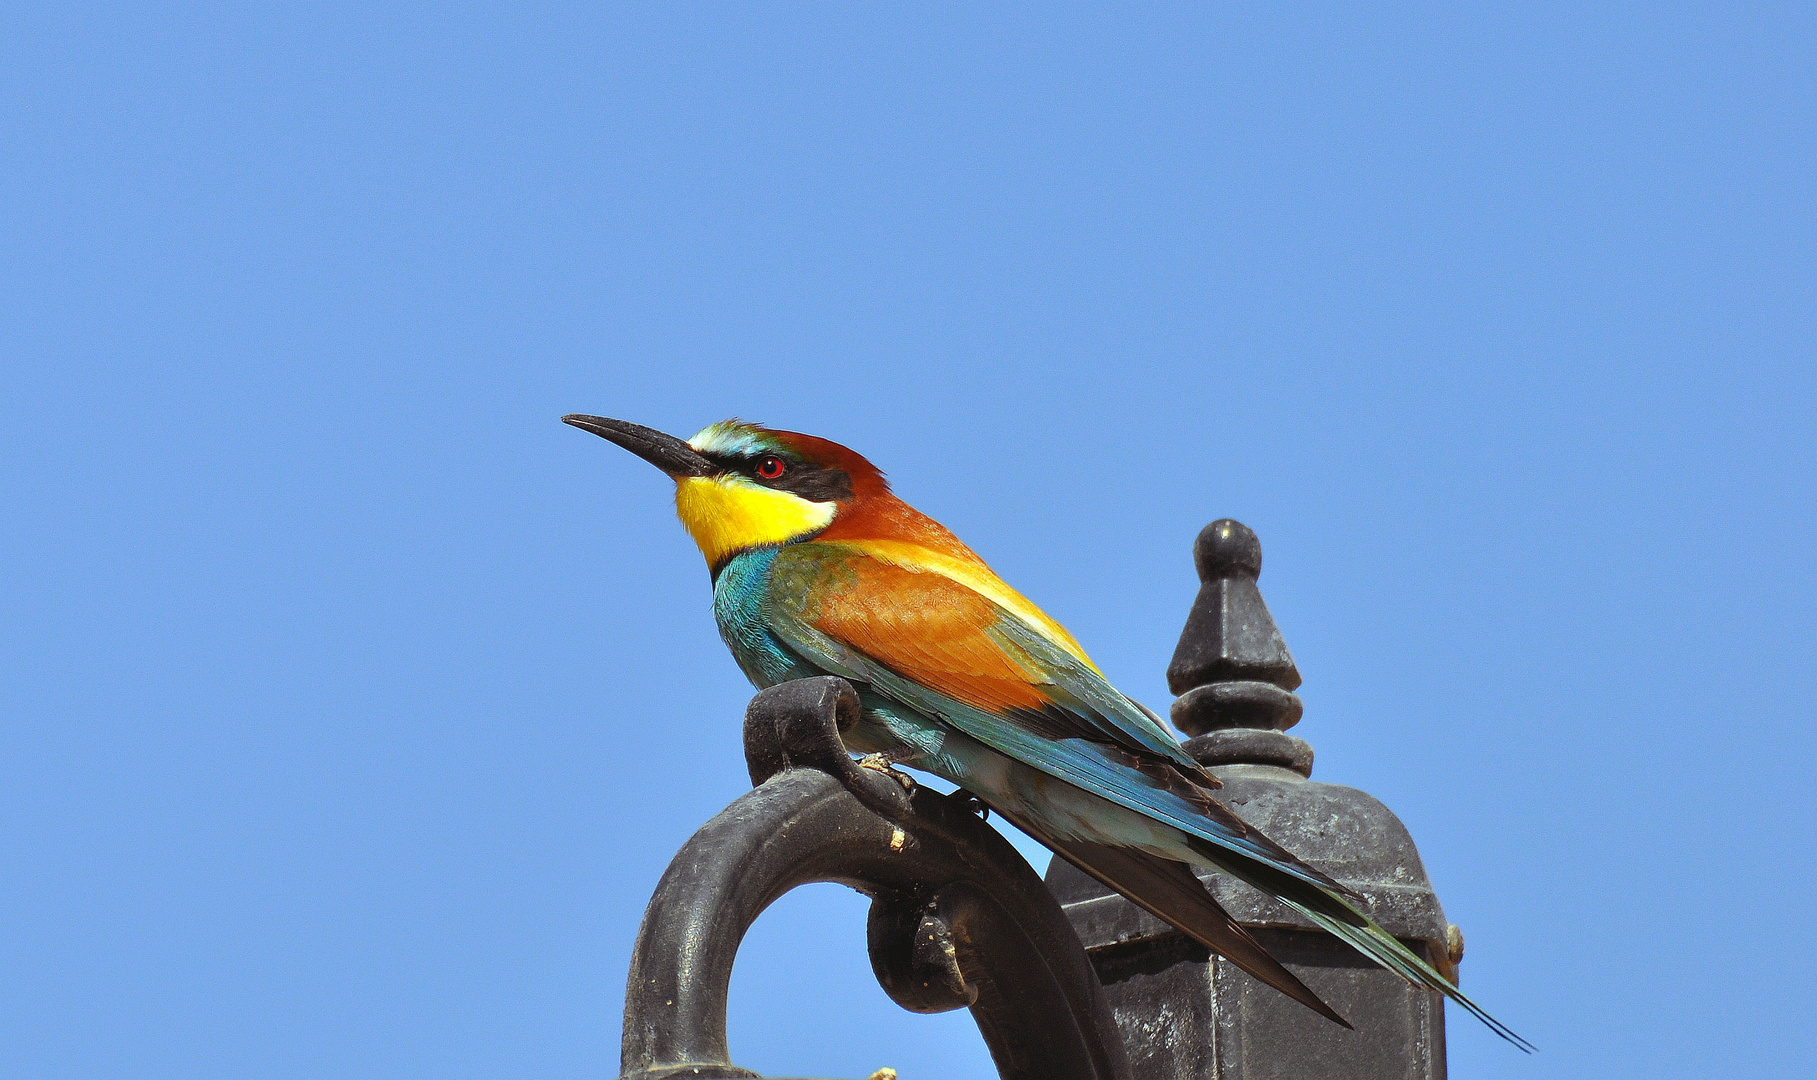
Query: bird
{"x": 818, "y": 568}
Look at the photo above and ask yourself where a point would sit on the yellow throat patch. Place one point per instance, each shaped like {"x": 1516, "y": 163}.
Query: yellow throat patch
{"x": 726, "y": 514}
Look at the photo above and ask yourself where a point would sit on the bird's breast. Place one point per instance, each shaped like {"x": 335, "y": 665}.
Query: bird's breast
{"x": 738, "y": 607}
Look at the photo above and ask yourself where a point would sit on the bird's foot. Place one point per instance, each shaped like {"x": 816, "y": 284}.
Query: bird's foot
{"x": 886, "y": 763}
{"x": 974, "y": 804}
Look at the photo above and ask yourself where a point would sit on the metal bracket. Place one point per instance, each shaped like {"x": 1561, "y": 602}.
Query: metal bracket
{"x": 958, "y": 918}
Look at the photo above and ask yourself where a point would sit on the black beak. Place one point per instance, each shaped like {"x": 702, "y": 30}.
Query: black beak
{"x": 666, "y": 452}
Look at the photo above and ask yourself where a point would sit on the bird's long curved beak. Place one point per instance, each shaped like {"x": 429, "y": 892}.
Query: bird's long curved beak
{"x": 666, "y": 452}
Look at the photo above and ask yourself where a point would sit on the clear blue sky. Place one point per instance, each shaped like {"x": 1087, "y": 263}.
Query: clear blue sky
{"x": 353, "y": 705}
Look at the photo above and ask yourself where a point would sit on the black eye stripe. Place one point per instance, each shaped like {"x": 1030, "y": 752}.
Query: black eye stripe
{"x": 815, "y": 484}
{"x": 803, "y": 478}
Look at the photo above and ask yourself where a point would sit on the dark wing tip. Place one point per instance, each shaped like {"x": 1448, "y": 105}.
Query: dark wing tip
{"x": 1170, "y": 891}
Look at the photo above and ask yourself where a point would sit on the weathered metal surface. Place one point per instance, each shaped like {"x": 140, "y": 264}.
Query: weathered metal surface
{"x": 957, "y": 917}
{"x": 1186, "y": 1015}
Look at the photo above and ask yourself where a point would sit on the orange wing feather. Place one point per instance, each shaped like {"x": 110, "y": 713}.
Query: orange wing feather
{"x": 935, "y": 632}
{"x": 926, "y": 628}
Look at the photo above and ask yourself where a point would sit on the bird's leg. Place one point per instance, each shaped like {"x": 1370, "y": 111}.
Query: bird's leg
{"x": 974, "y": 804}
{"x": 886, "y": 761}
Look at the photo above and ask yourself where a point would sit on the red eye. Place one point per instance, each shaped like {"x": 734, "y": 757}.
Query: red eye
{"x": 770, "y": 468}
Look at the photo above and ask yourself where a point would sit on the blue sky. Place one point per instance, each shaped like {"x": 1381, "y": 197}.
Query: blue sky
{"x": 353, "y": 705}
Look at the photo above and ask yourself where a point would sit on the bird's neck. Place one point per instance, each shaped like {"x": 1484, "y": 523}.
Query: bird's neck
{"x": 725, "y": 515}
{"x": 885, "y": 517}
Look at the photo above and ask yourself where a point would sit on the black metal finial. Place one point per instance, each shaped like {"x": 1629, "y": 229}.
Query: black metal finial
{"x": 1231, "y": 669}
{"x": 1186, "y": 1013}
{"x": 1226, "y": 548}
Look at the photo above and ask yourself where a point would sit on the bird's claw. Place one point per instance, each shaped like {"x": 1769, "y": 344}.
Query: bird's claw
{"x": 886, "y": 764}
{"x": 974, "y": 804}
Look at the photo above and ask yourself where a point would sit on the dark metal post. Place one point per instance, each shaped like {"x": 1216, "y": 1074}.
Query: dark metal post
{"x": 957, "y": 917}
{"x": 1186, "y": 1015}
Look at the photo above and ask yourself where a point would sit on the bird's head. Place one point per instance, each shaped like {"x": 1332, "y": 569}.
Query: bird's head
{"x": 740, "y": 486}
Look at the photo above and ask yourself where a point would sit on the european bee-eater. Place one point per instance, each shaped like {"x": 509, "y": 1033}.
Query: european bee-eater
{"x": 819, "y": 570}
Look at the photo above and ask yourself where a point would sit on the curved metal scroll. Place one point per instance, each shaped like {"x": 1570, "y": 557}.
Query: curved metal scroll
{"x": 958, "y": 918}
